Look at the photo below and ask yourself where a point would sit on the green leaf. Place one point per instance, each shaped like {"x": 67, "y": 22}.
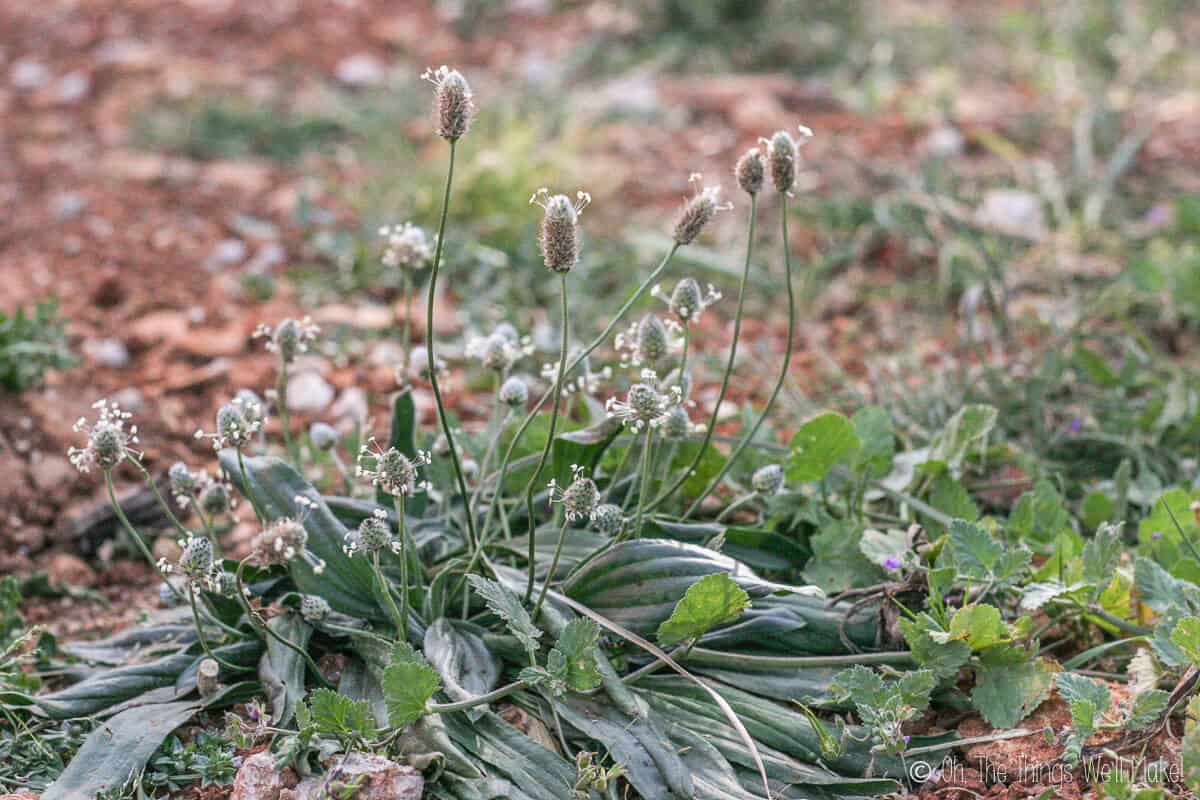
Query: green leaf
{"x": 403, "y": 437}
{"x": 1147, "y": 708}
{"x": 952, "y": 499}
{"x": 1157, "y": 588}
{"x": 1080, "y": 688}
{"x": 467, "y": 667}
{"x": 711, "y": 601}
{"x": 507, "y": 606}
{"x": 887, "y": 549}
{"x": 408, "y": 683}
{"x": 1186, "y": 637}
{"x": 1101, "y": 554}
{"x": 118, "y": 749}
{"x": 572, "y": 661}
{"x": 980, "y": 626}
{"x": 968, "y": 427}
{"x": 861, "y": 684}
{"x": 822, "y": 442}
{"x": 975, "y": 551}
{"x": 338, "y": 716}
{"x": 1009, "y": 686}
{"x": 944, "y": 660}
{"x": 873, "y": 427}
{"x": 837, "y": 562}
{"x": 281, "y": 669}
{"x": 1039, "y": 516}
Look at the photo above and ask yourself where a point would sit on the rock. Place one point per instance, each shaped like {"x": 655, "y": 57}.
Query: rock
{"x": 66, "y": 206}
{"x": 259, "y": 779}
{"x": 270, "y": 254}
{"x": 1013, "y": 212}
{"x": 246, "y": 176}
{"x": 381, "y": 779}
{"x": 65, "y": 569}
{"x": 159, "y": 326}
{"x": 351, "y": 406}
{"x": 129, "y": 165}
{"x": 20, "y": 796}
{"x": 72, "y": 87}
{"x": 110, "y": 352}
{"x": 51, "y": 472}
{"x": 227, "y": 253}
{"x": 942, "y": 142}
{"x": 28, "y": 75}
{"x": 308, "y": 392}
{"x": 130, "y": 399}
{"x": 360, "y": 69}
{"x": 214, "y": 342}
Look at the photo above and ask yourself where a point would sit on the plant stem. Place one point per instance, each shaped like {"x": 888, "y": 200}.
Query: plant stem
{"x": 433, "y": 381}
{"x": 385, "y": 589}
{"x": 587, "y": 351}
{"x": 645, "y": 485}
{"x": 783, "y": 371}
{"x": 562, "y": 537}
{"x": 285, "y": 417}
{"x": 736, "y": 504}
{"x": 537, "y": 471}
{"x": 161, "y": 500}
{"x": 208, "y": 528}
{"x": 733, "y": 347}
{"x": 404, "y": 556}
{"x": 203, "y": 641}
{"x": 483, "y": 699}
{"x": 133, "y": 534}
{"x": 255, "y": 620}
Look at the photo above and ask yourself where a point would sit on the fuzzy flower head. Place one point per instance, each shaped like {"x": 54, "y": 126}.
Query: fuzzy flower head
{"x": 216, "y": 497}
{"x": 234, "y": 429}
{"x": 688, "y": 301}
{"x": 678, "y": 425}
{"x": 768, "y": 480}
{"x": 195, "y": 562}
{"x": 252, "y": 406}
{"x": 559, "y": 233}
{"x": 514, "y": 393}
{"x": 453, "y": 103}
{"x": 579, "y": 498}
{"x": 781, "y": 157}
{"x": 750, "y": 171}
{"x": 608, "y": 519}
{"x": 286, "y": 539}
{"x": 406, "y": 246}
{"x": 647, "y": 342}
{"x": 644, "y": 404}
{"x": 290, "y": 338}
{"x": 498, "y": 351}
{"x": 323, "y": 436}
{"x": 418, "y": 366}
{"x": 314, "y": 608}
{"x": 390, "y": 470}
{"x": 109, "y": 440}
{"x": 373, "y": 535}
{"x": 184, "y": 483}
{"x": 698, "y": 210}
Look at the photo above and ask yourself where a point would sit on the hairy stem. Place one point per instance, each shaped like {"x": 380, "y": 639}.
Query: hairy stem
{"x": 385, "y": 589}
{"x": 139, "y": 545}
{"x": 537, "y": 471}
{"x": 783, "y": 371}
{"x": 261, "y": 624}
{"x": 562, "y": 537}
{"x": 733, "y": 347}
{"x": 285, "y": 415}
{"x": 437, "y": 392}
{"x": 645, "y": 484}
{"x": 203, "y": 641}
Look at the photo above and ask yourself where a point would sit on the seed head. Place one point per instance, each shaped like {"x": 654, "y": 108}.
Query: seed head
{"x": 215, "y": 497}
{"x": 698, "y": 210}
{"x": 290, "y": 338}
{"x": 750, "y": 171}
{"x": 579, "y": 498}
{"x": 453, "y": 103}
{"x": 768, "y": 480}
{"x": 508, "y": 331}
{"x": 224, "y": 583}
{"x": 644, "y": 404}
{"x": 108, "y": 439}
{"x": 688, "y": 301}
{"x": 323, "y": 436}
{"x": 251, "y": 405}
{"x": 233, "y": 428}
{"x": 390, "y": 470}
{"x": 183, "y": 480}
{"x": 608, "y": 519}
{"x": 781, "y": 156}
{"x": 653, "y": 340}
{"x": 196, "y": 560}
{"x": 314, "y": 608}
{"x": 514, "y": 393}
{"x": 418, "y": 364}
{"x": 677, "y": 424}
{"x": 408, "y": 247}
{"x": 498, "y": 352}
{"x": 559, "y": 234}
{"x": 374, "y": 534}
{"x": 285, "y": 539}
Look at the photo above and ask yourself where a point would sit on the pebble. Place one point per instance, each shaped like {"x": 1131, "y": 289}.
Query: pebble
{"x": 110, "y": 352}
{"x": 308, "y": 392}
{"x": 227, "y": 253}
{"x": 66, "y": 206}
{"x": 1014, "y": 212}
{"x": 28, "y": 75}
{"x": 51, "y": 472}
{"x": 360, "y": 69}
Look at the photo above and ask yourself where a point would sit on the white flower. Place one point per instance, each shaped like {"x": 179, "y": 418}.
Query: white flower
{"x": 644, "y": 404}
{"x": 407, "y": 246}
{"x": 108, "y": 439}
{"x": 234, "y": 429}
{"x": 579, "y": 498}
{"x": 289, "y": 338}
{"x": 687, "y": 302}
{"x": 372, "y": 535}
{"x": 390, "y": 470}
{"x": 499, "y": 351}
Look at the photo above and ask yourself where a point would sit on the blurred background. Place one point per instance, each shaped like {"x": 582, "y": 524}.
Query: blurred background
{"x": 989, "y": 183}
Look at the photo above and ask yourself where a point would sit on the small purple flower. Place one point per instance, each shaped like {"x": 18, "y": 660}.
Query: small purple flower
{"x": 1076, "y": 426}
{"x": 907, "y": 739}
{"x": 1156, "y": 535}
{"x": 892, "y": 563}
